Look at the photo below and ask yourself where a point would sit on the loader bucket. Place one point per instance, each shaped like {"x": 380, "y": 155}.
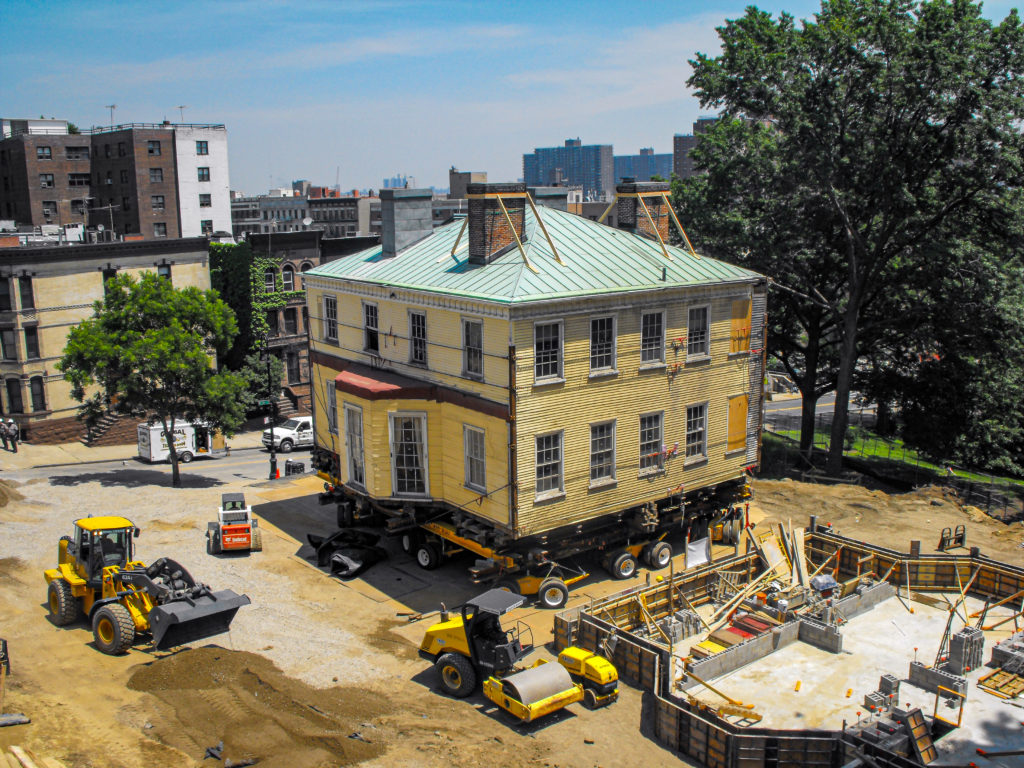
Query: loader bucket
{"x": 194, "y": 618}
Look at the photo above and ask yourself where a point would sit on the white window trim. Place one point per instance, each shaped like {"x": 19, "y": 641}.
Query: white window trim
{"x": 422, "y": 416}
{"x": 703, "y": 456}
{"x": 426, "y": 349}
{"x": 326, "y": 321}
{"x": 465, "y": 357}
{"x": 349, "y": 407}
{"x": 646, "y": 365}
{"x": 365, "y": 327}
{"x": 605, "y": 482}
{"x": 612, "y": 370}
{"x": 658, "y": 468}
{"x": 559, "y": 377}
{"x": 554, "y": 493}
{"x": 700, "y": 357}
{"x": 332, "y": 407}
{"x": 466, "y": 429}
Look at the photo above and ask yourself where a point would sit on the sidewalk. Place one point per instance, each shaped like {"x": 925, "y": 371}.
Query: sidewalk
{"x": 32, "y": 456}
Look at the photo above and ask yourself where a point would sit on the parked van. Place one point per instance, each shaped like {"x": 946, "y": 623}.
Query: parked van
{"x": 190, "y": 440}
{"x": 294, "y": 433}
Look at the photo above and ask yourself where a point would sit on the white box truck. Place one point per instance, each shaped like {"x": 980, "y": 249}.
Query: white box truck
{"x": 190, "y": 440}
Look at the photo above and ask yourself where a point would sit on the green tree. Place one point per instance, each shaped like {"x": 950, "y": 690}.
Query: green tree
{"x": 869, "y": 128}
{"x": 149, "y": 346}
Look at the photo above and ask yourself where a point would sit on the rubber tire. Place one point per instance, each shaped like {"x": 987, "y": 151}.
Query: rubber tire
{"x": 623, "y": 566}
{"x": 659, "y": 555}
{"x": 589, "y": 698}
{"x": 428, "y": 556}
{"x": 256, "y": 542}
{"x": 410, "y": 542}
{"x": 509, "y": 585}
{"x": 286, "y": 446}
{"x": 63, "y": 605}
{"x": 121, "y": 625}
{"x": 455, "y": 675}
{"x": 213, "y": 544}
{"x": 185, "y": 458}
{"x": 345, "y": 516}
{"x": 553, "y": 594}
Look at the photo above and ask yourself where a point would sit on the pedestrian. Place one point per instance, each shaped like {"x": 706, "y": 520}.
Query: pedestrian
{"x": 12, "y": 434}
{"x": 3, "y": 436}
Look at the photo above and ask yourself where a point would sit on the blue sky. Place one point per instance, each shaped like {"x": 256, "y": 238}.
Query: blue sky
{"x": 372, "y": 88}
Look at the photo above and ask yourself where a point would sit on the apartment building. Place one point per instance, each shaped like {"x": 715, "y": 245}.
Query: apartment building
{"x": 590, "y": 166}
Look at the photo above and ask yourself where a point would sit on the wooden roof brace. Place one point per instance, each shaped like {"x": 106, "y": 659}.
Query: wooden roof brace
{"x": 544, "y": 229}
{"x": 680, "y": 227}
{"x": 515, "y": 234}
{"x": 654, "y": 226}
{"x": 462, "y": 230}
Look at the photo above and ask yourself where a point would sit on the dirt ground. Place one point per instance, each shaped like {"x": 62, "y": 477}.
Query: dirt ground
{"x": 317, "y": 672}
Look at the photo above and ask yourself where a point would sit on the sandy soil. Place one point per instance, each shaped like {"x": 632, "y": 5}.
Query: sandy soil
{"x": 314, "y": 673}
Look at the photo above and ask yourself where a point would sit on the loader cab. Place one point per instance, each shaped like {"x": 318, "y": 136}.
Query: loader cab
{"x": 101, "y": 542}
{"x": 491, "y": 646}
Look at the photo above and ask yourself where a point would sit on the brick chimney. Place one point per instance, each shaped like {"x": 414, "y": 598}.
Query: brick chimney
{"x": 630, "y": 212}
{"x": 551, "y": 197}
{"x": 489, "y": 232}
{"x": 405, "y": 218}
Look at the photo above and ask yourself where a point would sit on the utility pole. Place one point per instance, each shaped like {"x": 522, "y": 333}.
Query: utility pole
{"x": 181, "y": 110}
{"x": 111, "y": 107}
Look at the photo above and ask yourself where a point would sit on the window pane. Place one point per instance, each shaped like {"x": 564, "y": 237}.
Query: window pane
{"x": 650, "y": 441}
{"x": 288, "y": 278}
{"x": 353, "y": 443}
{"x": 549, "y": 463}
{"x": 407, "y": 432}
{"x": 28, "y": 299}
{"x": 547, "y": 348}
{"x": 652, "y": 338}
{"x": 38, "y": 394}
{"x": 9, "y": 348}
{"x": 602, "y": 451}
{"x": 695, "y": 430}
{"x": 697, "y": 332}
{"x": 474, "y": 447}
{"x": 331, "y": 318}
{"x": 371, "y": 341}
{"x": 473, "y": 356}
{"x": 602, "y": 343}
{"x": 14, "y": 396}
{"x": 269, "y": 281}
{"x": 32, "y": 343}
{"x": 291, "y": 321}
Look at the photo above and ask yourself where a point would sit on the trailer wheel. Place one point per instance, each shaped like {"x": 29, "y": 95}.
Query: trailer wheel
{"x": 623, "y": 566}
{"x": 185, "y": 458}
{"x": 456, "y": 675}
{"x": 410, "y": 542}
{"x": 428, "y": 556}
{"x": 553, "y": 593}
{"x": 63, "y": 606}
{"x": 345, "y": 516}
{"x": 113, "y": 629}
{"x": 659, "y": 554}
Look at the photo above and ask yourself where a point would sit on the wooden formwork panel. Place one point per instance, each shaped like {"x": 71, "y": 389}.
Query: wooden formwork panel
{"x": 564, "y": 631}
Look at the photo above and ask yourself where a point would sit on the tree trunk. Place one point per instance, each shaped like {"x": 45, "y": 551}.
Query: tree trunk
{"x": 841, "y": 412}
{"x": 809, "y": 398}
{"x": 173, "y": 454}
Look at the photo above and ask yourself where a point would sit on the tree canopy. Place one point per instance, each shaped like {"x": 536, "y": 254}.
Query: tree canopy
{"x": 857, "y": 151}
{"x": 150, "y": 347}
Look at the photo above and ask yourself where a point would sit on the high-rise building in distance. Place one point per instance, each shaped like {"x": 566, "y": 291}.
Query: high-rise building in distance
{"x": 591, "y": 167}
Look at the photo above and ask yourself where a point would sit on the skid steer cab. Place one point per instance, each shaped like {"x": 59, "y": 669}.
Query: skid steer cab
{"x": 98, "y": 576}
{"x": 235, "y": 530}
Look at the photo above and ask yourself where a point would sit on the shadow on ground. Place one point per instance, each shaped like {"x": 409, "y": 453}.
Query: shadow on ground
{"x": 135, "y": 478}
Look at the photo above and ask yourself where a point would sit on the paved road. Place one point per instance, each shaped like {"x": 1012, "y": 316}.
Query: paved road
{"x": 242, "y": 465}
{"x": 825, "y": 405}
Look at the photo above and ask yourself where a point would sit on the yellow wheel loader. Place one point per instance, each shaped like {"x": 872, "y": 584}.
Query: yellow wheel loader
{"x": 474, "y": 645}
{"x": 98, "y": 577}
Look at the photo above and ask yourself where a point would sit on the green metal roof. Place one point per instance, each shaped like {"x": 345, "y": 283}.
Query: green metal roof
{"x": 598, "y": 259}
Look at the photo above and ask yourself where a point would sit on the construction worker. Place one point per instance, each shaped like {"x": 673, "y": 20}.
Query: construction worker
{"x": 12, "y": 434}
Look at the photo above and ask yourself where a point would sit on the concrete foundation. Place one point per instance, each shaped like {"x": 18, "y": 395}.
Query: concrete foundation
{"x": 821, "y": 635}
{"x": 931, "y": 678}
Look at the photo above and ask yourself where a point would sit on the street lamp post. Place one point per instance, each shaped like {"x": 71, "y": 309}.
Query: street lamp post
{"x": 273, "y": 411}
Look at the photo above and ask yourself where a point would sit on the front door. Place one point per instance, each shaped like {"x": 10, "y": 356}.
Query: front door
{"x": 409, "y": 454}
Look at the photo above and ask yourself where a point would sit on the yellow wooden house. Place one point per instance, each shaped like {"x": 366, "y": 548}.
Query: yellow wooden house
{"x": 538, "y": 383}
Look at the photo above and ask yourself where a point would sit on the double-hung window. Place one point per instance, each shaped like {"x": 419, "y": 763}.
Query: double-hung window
{"x": 698, "y": 335}
{"x": 602, "y": 452}
{"x": 652, "y": 338}
{"x": 549, "y": 464}
{"x": 602, "y": 344}
{"x": 409, "y": 454}
{"x": 332, "y": 408}
{"x": 330, "y": 318}
{"x": 354, "y": 445}
{"x": 474, "y": 445}
{"x": 417, "y": 338}
{"x": 697, "y": 431}
{"x": 651, "y": 454}
{"x": 473, "y": 348}
{"x": 547, "y": 351}
{"x": 371, "y": 339}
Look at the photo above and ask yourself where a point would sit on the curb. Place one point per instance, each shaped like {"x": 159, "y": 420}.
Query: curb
{"x": 115, "y": 458}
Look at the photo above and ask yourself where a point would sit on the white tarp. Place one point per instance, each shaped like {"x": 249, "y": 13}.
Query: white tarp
{"x": 698, "y": 552}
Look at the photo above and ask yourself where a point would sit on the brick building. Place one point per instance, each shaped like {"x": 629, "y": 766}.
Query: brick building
{"x": 683, "y": 144}
{"x": 591, "y": 167}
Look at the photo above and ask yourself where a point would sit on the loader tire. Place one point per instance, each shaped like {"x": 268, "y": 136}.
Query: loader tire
{"x": 213, "y": 543}
{"x": 428, "y": 556}
{"x": 622, "y": 566}
{"x": 553, "y": 593}
{"x": 256, "y": 545}
{"x": 658, "y": 555}
{"x": 63, "y": 605}
{"x": 113, "y": 629}
{"x": 456, "y": 675}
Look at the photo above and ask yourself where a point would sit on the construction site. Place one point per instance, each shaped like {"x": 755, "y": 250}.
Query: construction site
{"x": 756, "y": 657}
